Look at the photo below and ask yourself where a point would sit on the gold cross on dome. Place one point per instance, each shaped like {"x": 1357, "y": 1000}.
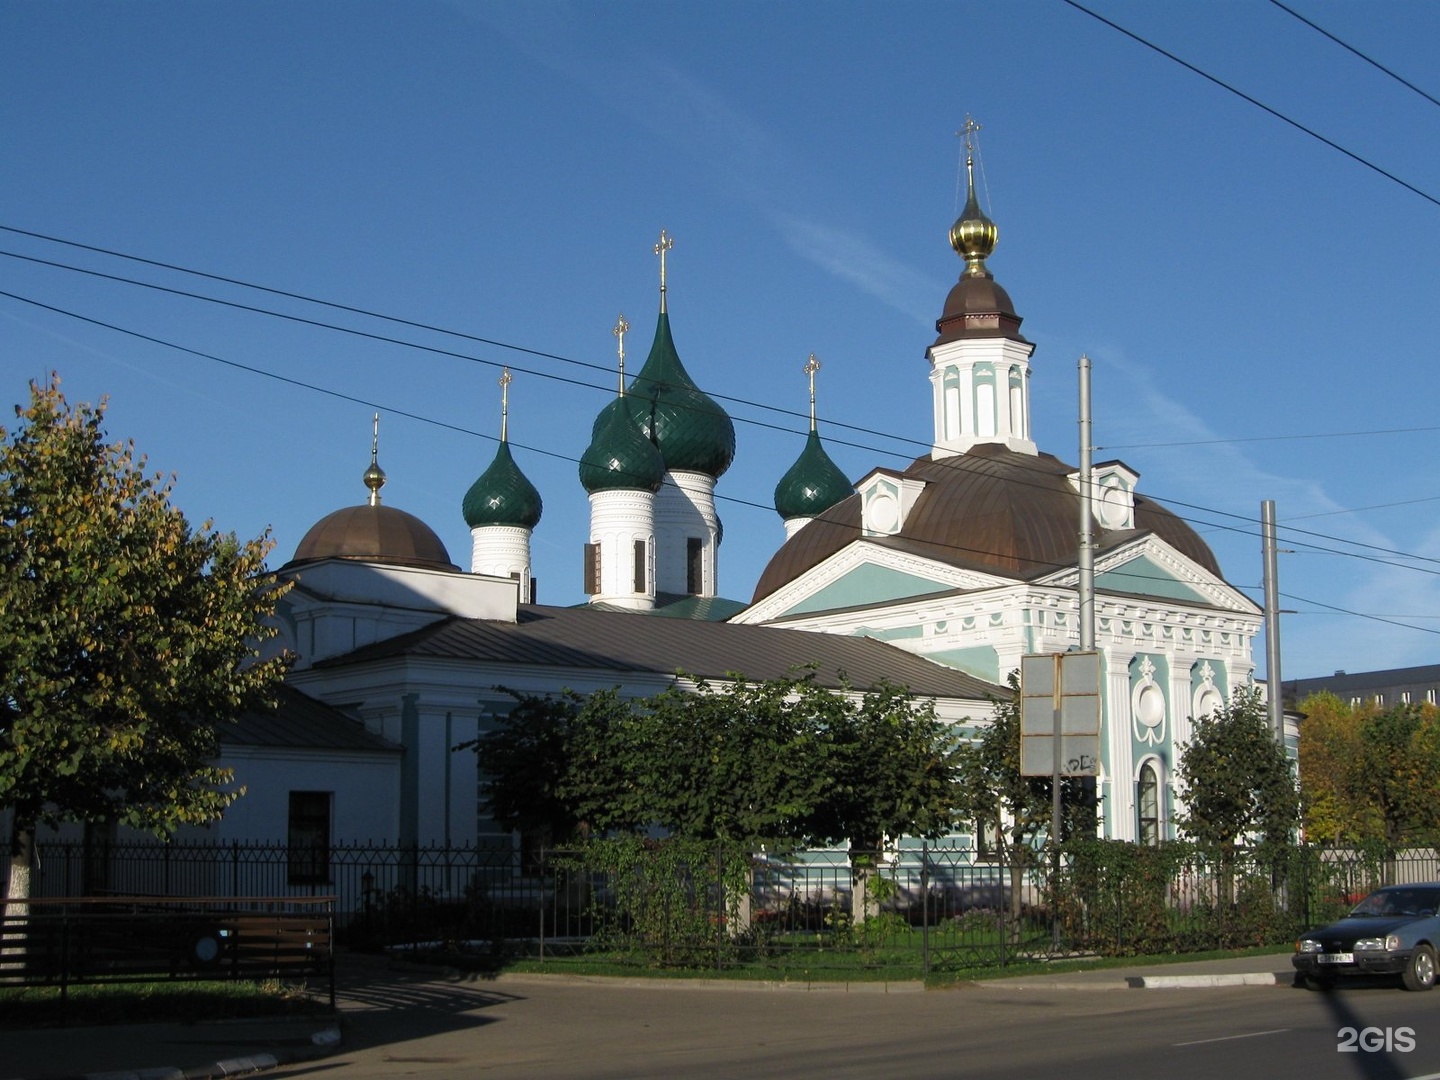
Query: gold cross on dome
{"x": 621, "y": 328}
{"x": 505, "y": 380}
{"x": 811, "y": 367}
{"x": 666, "y": 243}
{"x": 967, "y": 134}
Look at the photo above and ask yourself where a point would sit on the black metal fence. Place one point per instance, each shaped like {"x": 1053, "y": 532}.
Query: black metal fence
{"x": 67, "y": 941}
{"x": 920, "y": 906}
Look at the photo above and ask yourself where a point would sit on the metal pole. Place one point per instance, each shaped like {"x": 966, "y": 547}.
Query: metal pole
{"x": 1272, "y": 619}
{"x": 1087, "y": 547}
{"x": 1055, "y": 805}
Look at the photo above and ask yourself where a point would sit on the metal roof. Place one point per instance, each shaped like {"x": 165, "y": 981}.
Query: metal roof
{"x": 300, "y": 722}
{"x": 991, "y": 509}
{"x": 621, "y": 642}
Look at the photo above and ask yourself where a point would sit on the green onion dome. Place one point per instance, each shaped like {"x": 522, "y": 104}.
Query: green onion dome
{"x": 813, "y": 484}
{"x": 691, "y": 431}
{"x": 620, "y": 457}
{"x": 502, "y": 495}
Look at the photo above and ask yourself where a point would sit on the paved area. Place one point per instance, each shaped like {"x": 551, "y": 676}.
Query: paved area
{"x": 367, "y": 985}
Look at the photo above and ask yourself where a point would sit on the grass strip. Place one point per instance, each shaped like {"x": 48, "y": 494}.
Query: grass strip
{"x": 175, "y": 1002}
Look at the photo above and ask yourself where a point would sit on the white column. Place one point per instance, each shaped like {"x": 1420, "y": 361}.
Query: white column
{"x": 685, "y": 509}
{"x": 502, "y": 551}
{"x": 617, "y": 520}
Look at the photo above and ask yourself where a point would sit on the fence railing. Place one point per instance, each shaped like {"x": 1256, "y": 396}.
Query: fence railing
{"x": 933, "y": 906}
{"x": 68, "y": 941}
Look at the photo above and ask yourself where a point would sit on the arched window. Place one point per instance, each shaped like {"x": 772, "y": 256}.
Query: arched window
{"x": 1147, "y": 802}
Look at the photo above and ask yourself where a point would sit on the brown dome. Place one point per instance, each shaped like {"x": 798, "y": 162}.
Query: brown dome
{"x": 379, "y": 534}
{"x": 978, "y": 307}
{"x": 990, "y": 509}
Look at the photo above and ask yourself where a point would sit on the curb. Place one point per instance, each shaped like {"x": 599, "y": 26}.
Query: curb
{"x": 1181, "y": 982}
{"x": 909, "y": 986}
{"x": 322, "y": 1044}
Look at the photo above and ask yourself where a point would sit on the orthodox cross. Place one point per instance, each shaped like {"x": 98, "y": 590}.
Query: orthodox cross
{"x": 811, "y": 367}
{"x": 375, "y": 476}
{"x": 505, "y": 380}
{"x": 666, "y": 243}
{"x": 619, "y": 331}
{"x": 967, "y": 134}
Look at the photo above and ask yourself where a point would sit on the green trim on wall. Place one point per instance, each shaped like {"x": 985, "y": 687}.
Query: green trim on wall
{"x": 982, "y": 661}
{"x": 1145, "y": 577}
{"x": 866, "y": 584}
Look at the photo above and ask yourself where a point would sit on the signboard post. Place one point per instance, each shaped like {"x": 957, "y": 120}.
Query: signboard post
{"x": 1059, "y": 726}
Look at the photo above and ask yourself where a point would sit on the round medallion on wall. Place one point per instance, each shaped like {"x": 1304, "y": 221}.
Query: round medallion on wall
{"x": 883, "y": 511}
{"x": 1147, "y": 706}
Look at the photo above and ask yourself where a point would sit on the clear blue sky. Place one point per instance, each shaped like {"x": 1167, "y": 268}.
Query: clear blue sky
{"x": 503, "y": 170}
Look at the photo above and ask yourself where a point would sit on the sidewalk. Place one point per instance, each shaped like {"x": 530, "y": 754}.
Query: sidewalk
{"x": 368, "y": 984}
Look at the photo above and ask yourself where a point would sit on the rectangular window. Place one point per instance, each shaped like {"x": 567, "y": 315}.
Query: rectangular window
{"x": 309, "y": 843}
{"x": 592, "y": 569}
{"x": 1430, "y": 696}
{"x": 1147, "y": 802}
{"x": 694, "y": 565}
{"x": 987, "y": 840}
{"x": 641, "y": 566}
{"x": 1405, "y": 697}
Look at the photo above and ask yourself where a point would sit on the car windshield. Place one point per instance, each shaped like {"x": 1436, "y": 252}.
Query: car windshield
{"x": 1399, "y": 902}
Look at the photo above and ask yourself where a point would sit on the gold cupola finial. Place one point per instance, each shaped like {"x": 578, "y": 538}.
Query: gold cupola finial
{"x": 505, "y": 380}
{"x": 621, "y": 328}
{"x": 374, "y": 475}
{"x": 666, "y": 243}
{"x": 973, "y": 236}
{"x": 811, "y": 367}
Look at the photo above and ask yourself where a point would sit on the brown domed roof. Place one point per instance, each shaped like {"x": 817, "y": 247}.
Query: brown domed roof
{"x": 991, "y": 509}
{"x": 978, "y": 307}
{"x": 374, "y": 533}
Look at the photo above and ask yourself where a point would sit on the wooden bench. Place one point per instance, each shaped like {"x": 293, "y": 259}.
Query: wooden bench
{"x": 134, "y": 939}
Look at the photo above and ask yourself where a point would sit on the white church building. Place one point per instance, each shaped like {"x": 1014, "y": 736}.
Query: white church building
{"x": 939, "y": 577}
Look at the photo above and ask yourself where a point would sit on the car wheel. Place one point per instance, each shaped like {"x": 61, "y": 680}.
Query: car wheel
{"x": 1420, "y": 971}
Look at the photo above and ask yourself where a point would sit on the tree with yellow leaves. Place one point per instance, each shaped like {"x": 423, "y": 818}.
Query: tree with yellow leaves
{"x": 126, "y": 637}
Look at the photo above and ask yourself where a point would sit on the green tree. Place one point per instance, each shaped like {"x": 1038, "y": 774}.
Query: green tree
{"x": 526, "y": 758}
{"x": 125, "y": 637}
{"x": 1367, "y": 773}
{"x": 776, "y": 763}
{"x": 1237, "y": 779}
{"x": 888, "y": 766}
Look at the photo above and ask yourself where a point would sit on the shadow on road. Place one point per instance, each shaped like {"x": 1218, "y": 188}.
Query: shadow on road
{"x": 1370, "y": 1064}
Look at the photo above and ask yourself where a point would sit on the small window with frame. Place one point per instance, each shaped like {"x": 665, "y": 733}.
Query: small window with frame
{"x": 308, "y": 849}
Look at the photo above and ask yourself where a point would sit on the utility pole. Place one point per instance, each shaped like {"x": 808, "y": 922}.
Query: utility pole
{"x": 1272, "y": 619}
{"x": 1087, "y": 545}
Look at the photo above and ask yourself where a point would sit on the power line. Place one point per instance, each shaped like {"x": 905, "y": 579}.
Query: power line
{"x": 370, "y": 404}
{"x": 959, "y": 549}
{"x": 1361, "y": 615}
{"x": 1256, "y": 102}
{"x": 957, "y": 462}
{"x": 1265, "y": 438}
{"x": 1351, "y": 48}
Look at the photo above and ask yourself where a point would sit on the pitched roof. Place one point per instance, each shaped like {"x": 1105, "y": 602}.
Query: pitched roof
{"x": 608, "y": 641}
{"x": 300, "y": 722}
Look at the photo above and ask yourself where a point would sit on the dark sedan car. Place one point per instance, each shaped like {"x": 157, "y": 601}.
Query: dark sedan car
{"x": 1393, "y": 931}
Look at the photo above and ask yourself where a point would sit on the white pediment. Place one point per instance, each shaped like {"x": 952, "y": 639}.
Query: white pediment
{"x": 862, "y": 574}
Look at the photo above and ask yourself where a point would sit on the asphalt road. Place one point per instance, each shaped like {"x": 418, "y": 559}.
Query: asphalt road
{"x": 547, "y": 1030}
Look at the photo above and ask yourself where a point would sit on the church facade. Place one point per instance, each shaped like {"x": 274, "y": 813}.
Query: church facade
{"x": 960, "y": 563}
{"x": 969, "y": 557}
